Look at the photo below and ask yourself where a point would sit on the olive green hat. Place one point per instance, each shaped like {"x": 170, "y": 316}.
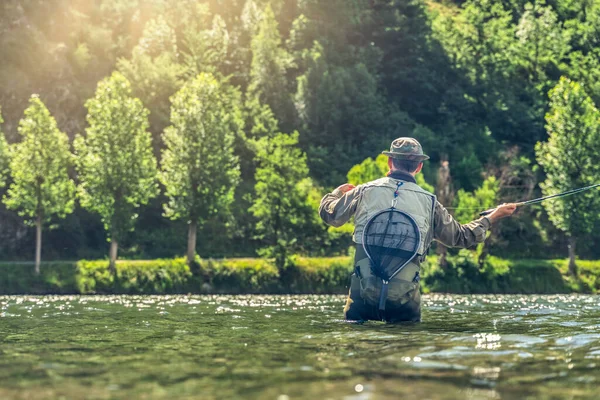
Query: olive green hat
{"x": 406, "y": 148}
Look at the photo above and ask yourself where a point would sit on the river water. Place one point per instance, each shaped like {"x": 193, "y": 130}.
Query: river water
{"x": 297, "y": 347}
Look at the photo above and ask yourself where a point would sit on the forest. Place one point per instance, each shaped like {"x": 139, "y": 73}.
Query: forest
{"x": 218, "y": 125}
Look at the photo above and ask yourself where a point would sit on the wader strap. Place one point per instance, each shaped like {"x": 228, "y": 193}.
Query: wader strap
{"x": 383, "y": 296}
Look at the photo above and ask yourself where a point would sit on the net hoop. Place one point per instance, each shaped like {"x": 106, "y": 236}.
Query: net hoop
{"x": 386, "y": 269}
{"x": 415, "y": 226}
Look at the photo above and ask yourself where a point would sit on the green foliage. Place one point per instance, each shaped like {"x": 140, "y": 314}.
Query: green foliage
{"x": 320, "y": 275}
{"x": 304, "y": 275}
{"x": 342, "y": 113}
{"x": 135, "y": 277}
{"x": 463, "y": 275}
{"x": 154, "y": 70}
{"x": 165, "y": 276}
{"x": 483, "y": 198}
{"x": 370, "y": 169}
{"x": 199, "y": 169}
{"x": 414, "y": 67}
{"x": 542, "y": 41}
{"x": 481, "y": 41}
{"x": 569, "y": 158}
{"x": 281, "y": 204}
{"x": 117, "y": 170}
{"x": 39, "y": 167}
{"x": 268, "y": 83}
{"x": 206, "y": 50}
{"x": 239, "y": 275}
{"x": 54, "y": 278}
{"x": 469, "y": 79}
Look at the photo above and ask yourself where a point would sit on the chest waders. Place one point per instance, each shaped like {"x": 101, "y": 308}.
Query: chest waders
{"x": 391, "y": 240}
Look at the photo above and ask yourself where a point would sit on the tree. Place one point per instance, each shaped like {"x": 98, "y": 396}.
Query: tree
{"x": 154, "y": 71}
{"x": 543, "y": 43}
{"x": 205, "y": 50}
{"x": 199, "y": 169}
{"x": 281, "y": 203}
{"x": 342, "y": 112}
{"x": 268, "y": 83}
{"x": 4, "y": 158}
{"x": 39, "y": 166}
{"x": 569, "y": 158}
{"x": 417, "y": 74}
{"x": 117, "y": 170}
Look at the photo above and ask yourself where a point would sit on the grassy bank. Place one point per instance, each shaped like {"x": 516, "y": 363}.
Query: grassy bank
{"x": 464, "y": 275}
{"x": 306, "y": 275}
{"x": 168, "y": 276}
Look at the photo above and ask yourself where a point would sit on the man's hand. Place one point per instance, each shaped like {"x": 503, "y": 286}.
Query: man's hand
{"x": 502, "y": 211}
{"x": 346, "y": 187}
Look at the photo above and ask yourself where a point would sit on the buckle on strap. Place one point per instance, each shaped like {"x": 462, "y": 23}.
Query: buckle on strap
{"x": 417, "y": 278}
{"x": 357, "y": 271}
{"x": 395, "y": 199}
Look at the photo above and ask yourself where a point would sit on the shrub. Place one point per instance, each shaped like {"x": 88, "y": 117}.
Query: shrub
{"x": 242, "y": 275}
{"x": 54, "y": 278}
{"x": 303, "y": 275}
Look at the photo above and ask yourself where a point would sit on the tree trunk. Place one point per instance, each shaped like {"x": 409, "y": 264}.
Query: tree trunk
{"x": 114, "y": 247}
{"x": 444, "y": 194}
{"x": 38, "y": 244}
{"x": 572, "y": 265}
{"x": 191, "y": 247}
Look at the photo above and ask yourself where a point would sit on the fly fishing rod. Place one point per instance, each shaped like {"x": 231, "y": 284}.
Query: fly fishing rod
{"x": 539, "y": 200}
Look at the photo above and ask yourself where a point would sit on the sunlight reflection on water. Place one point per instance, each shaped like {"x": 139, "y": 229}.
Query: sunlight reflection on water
{"x": 475, "y": 347}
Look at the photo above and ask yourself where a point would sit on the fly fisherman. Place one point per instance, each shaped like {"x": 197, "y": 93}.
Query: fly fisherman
{"x": 433, "y": 220}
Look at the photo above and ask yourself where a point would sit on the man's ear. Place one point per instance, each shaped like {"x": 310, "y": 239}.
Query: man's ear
{"x": 419, "y": 168}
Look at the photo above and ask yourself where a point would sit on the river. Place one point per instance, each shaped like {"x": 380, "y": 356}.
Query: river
{"x": 297, "y": 347}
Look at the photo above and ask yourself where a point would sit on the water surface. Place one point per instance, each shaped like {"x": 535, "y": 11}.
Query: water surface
{"x": 297, "y": 347}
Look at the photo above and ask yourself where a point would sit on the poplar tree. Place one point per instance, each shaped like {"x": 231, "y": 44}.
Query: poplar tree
{"x": 199, "y": 168}
{"x": 41, "y": 188}
{"x": 281, "y": 205}
{"x": 154, "y": 71}
{"x": 569, "y": 158}
{"x": 268, "y": 81}
{"x": 117, "y": 170}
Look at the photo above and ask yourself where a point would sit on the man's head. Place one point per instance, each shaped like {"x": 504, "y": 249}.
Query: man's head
{"x": 406, "y": 155}
{"x": 408, "y": 166}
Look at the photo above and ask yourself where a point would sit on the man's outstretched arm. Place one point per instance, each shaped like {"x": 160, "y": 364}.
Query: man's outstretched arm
{"x": 340, "y": 205}
{"x": 453, "y": 234}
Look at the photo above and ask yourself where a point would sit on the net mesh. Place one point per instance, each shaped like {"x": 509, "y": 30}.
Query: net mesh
{"x": 391, "y": 240}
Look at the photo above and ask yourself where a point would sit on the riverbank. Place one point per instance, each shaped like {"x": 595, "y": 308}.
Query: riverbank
{"x": 305, "y": 275}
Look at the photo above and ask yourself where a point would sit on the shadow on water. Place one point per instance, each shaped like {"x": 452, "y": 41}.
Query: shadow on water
{"x": 296, "y": 347}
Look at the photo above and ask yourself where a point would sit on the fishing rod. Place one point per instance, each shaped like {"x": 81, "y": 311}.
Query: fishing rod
{"x": 539, "y": 200}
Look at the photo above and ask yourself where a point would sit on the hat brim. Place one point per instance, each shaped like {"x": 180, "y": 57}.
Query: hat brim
{"x": 406, "y": 156}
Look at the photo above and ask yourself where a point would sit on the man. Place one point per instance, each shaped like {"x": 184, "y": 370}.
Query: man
{"x": 434, "y": 222}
